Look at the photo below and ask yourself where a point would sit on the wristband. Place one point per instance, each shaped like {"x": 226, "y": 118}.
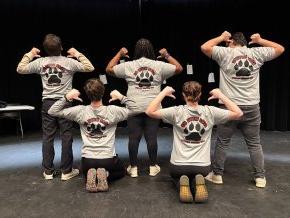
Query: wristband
{"x": 167, "y": 55}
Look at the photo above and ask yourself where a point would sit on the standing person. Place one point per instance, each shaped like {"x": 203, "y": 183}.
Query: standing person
{"x": 144, "y": 76}
{"x": 192, "y": 128}
{"x": 56, "y": 73}
{"x": 98, "y": 125}
{"x": 239, "y": 80}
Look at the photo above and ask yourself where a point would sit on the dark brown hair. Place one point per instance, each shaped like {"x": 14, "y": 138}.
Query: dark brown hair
{"x": 192, "y": 91}
{"x": 144, "y": 48}
{"x": 52, "y": 45}
{"x": 94, "y": 89}
{"x": 239, "y": 39}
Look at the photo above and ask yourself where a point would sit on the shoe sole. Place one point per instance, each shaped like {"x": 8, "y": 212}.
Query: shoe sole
{"x": 185, "y": 194}
{"x": 201, "y": 194}
{"x": 129, "y": 174}
{"x": 48, "y": 177}
{"x": 91, "y": 180}
{"x": 102, "y": 185}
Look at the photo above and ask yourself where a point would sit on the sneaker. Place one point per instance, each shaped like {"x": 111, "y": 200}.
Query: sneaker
{"x": 154, "y": 170}
{"x": 91, "y": 180}
{"x": 201, "y": 194}
{"x": 185, "y": 194}
{"x": 102, "y": 185}
{"x": 132, "y": 171}
{"x": 47, "y": 176}
{"x": 217, "y": 179}
{"x": 260, "y": 182}
{"x": 67, "y": 176}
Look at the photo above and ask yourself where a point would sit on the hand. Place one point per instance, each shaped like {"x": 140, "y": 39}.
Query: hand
{"x": 226, "y": 36}
{"x": 255, "y": 38}
{"x": 215, "y": 94}
{"x": 163, "y": 53}
{"x": 168, "y": 91}
{"x": 124, "y": 52}
{"x": 73, "y": 53}
{"x": 35, "y": 52}
{"x": 73, "y": 94}
{"x": 115, "y": 95}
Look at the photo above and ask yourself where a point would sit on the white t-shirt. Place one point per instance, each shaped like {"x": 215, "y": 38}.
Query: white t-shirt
{"x": 192, "y": 128}
{"x": 239, "y": 71}
{"x": 144, "y": 78}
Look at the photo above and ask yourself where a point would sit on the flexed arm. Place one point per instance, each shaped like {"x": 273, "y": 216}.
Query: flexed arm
{"x": 22, "y": 66}
{"x": 256, "y": 38}
{"x": 123, "y": 52}
{"x": 153, "y": 110}
{"x": 235, "y": 111}
{"x": 207, "y": 47}
{"x": 87, "y": 65}
{"x": 164, "y": 54}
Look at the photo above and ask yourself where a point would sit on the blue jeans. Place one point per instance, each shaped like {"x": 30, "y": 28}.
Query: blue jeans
{"x": 249, "y": 125}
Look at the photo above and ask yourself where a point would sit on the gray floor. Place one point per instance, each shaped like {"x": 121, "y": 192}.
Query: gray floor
{"x": 24, "y": 193}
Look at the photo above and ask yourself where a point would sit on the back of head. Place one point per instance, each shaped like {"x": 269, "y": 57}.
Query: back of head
{"x": 191, "y": 91}
{"x": 144, "y": 48}
{"x": 239, "y": 39}
{"x": 94, "y": 89}
{"x": 52, "y": 45}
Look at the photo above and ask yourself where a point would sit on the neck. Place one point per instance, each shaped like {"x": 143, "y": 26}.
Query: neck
{"x": 192, "y": 104}
{"x": 96, "y": 104}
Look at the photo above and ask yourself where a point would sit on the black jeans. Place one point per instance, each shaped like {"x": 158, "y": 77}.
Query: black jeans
{"x": 138, "y": 125}
{"x": 49, "y": 128}
{"x": 176, "y": 171}
{"x": 114, "y": 166}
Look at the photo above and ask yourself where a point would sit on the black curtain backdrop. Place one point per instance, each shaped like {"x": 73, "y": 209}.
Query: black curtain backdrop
{"x": 100, "y": 28}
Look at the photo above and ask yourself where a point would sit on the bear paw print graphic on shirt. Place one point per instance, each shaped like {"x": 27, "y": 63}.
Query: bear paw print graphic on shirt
{"x": 54, "y": 76}
{"x": 95, "y": 129}
{"x": 144, "y": 79}
{"x": 243, "y": 68}
{"x": 194, "y": 132}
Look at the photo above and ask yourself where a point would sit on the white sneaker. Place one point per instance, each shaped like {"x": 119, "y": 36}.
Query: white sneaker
{"x": 47, "y": 176}
{"x": 67, "y": 176}
{"x": 260, "y": 182}
{"x": 154, "y": 170}
{"x": 132, "y": 171}
{"x": 217, "y": 179}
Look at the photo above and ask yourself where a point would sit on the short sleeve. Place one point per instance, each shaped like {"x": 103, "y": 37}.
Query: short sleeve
{"x": 168, "y": 115}
{"x": 219, "y": 53}
{"x": 119, "y": 70}
{"x": 118, "y": 114}
{"x": 219, "y": 115}
{"x": 167, "y": 70}
{"x": 34, "y": 66}
{"x": 263, "y": 54}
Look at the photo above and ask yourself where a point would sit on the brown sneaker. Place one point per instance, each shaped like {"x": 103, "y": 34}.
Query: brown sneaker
{"x": 102, "y": 185}
{"x": 91, "y": 180}
{"x": 201, "y": 194}
{"x": 185, "y": 195}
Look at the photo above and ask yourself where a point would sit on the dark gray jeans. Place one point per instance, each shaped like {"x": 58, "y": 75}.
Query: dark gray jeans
{"x": 49, "y": 128}
{"x": 249, "y": 125}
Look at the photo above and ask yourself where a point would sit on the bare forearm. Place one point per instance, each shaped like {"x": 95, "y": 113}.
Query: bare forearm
{"x": 155, "y": 104}
{"x": 113, "y": 62}
{"x": 230, "y": 105}
{"x": 173, "y": 61}
{"x": 207, "y": 47}
{"x": 279, "y": 49}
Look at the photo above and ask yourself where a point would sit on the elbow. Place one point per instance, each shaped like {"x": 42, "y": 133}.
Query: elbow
{"x": 90, "y": 68}
{"x": 238, "y": 115}
{"x": 179, "y": 69}
{"x": 203, "y": 48}
{"x": 149, "y": 113}
{"x": 109, "y": 70}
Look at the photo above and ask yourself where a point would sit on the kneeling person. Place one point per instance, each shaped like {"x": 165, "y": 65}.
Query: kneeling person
{"x": 192, "y": 128}
{"x": 98, "y": 124}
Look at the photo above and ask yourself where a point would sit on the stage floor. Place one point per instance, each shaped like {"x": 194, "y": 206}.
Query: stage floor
{"x": 24, "y": 193}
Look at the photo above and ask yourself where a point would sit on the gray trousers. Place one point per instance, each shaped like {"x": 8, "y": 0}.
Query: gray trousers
{"x": 249, "y": 125}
